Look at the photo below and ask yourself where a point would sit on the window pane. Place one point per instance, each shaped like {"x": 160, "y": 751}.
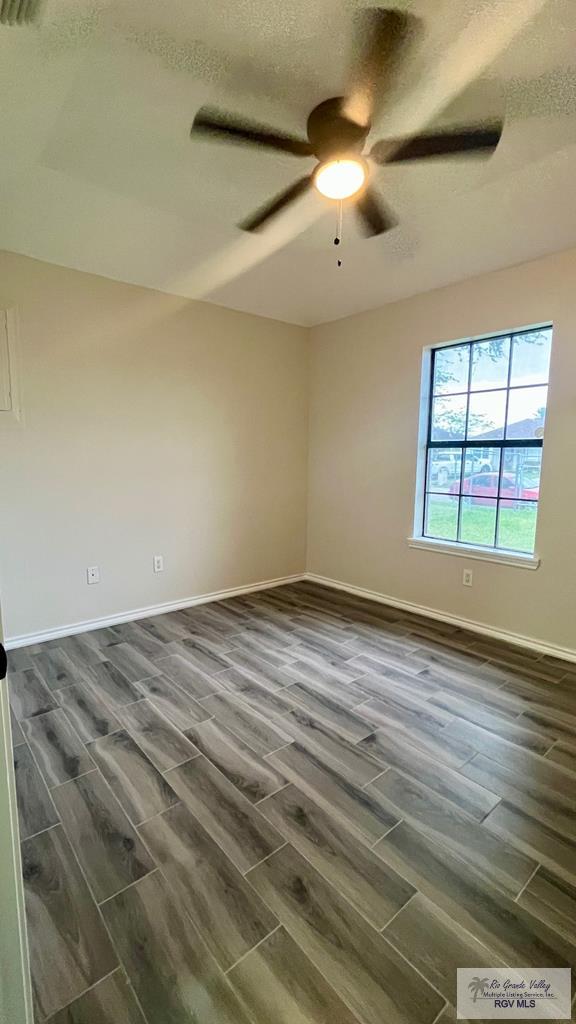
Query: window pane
{"x": 444, "y": 466}
{"x": 531, "y": 357}
{"x": 451, "y": 369}
{"x": 521, "y": 473}
{"x": 486, "y": 415}
{"x": 481, "y": 472}
{"x": 517, "y": 525}
{"x": 490, "y": 364}
{"x": 527, "y": 412}
{"x": 449, "y": 418}
{"x": 441, "y": 516}
{"x": 478, "y": 521}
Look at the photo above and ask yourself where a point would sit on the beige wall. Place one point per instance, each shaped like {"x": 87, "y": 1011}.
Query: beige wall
{"x": 363, "y": 444}
{"x": 151, "y": 425}
{"x": 156, "y": 425}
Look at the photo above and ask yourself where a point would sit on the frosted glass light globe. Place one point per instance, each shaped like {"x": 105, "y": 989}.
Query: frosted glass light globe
{"x": 339, "y": 179}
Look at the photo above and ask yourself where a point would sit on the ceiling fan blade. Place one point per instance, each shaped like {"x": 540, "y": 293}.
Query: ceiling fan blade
{"x": 381, "y": 40}
{"x": 375, "y": 217}
{"x": 451, "y": 142}
{"x": 229, "y": 128}
{"x": 277, "y": 204}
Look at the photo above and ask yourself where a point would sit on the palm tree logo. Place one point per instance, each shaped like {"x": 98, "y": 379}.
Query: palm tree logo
{"x": 477, "y": 986}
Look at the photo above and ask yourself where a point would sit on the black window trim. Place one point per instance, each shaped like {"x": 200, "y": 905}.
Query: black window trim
{"x": 465, "y": 445}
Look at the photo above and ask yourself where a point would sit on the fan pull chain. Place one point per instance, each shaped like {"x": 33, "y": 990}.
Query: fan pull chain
{"x": 338, "y": 238}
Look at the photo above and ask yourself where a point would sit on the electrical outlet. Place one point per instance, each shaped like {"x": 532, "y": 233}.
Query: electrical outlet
{"x": 158, "y": 563}
{"x": 467, "y": 577}
{"x": 93, "y": 574}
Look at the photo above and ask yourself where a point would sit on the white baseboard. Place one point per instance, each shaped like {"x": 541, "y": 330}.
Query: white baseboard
{"x": 143, "y": 613}
{"x": 540, "y": 646}
{"x": 567, "y": 653}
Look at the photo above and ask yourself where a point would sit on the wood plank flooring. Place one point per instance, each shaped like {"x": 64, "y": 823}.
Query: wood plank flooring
{"x": 293, "y": 807}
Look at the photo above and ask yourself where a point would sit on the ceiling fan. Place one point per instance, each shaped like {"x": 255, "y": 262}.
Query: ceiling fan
{"x": 17, "y": 12}
{"x": 337, "y": 129}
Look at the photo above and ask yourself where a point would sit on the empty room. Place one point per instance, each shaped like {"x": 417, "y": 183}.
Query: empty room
{"x": 287, "y": 507}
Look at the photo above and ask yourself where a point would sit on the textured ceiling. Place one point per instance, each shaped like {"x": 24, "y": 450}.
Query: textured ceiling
{"x": 97, "y": 171}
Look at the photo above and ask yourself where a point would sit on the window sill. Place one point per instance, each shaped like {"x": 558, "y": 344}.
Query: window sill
{"x": 513, "y": 558}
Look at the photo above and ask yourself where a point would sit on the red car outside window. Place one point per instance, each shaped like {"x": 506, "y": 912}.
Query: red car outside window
{"x": 485, "y": 485}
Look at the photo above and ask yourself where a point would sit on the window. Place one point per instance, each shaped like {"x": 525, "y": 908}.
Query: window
{"x": 485, "y": 426}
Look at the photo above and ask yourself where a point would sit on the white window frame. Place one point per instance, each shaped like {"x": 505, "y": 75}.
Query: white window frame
{"x": 524, "y": 560}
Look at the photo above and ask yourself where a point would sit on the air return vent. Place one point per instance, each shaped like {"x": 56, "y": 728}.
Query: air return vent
{"x": 18, "y": 12}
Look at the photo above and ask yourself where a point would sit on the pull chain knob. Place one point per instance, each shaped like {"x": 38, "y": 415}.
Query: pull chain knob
{"x": 338, "y": 237}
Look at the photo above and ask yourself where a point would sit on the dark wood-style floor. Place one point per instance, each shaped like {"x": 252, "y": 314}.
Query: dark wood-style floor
{"x": 293, "y": 807}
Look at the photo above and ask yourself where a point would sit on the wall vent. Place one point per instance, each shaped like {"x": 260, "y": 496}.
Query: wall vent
{"x": 18, "y": 12}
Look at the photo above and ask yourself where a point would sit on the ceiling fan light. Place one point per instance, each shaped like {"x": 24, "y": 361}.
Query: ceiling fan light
{"x": 340, "y": 179}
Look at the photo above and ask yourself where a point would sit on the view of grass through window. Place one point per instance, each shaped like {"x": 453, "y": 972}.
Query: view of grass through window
{"x": 484, "y": 447}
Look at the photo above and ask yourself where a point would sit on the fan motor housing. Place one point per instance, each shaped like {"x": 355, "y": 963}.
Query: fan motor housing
{"x": 331, "y": 134}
